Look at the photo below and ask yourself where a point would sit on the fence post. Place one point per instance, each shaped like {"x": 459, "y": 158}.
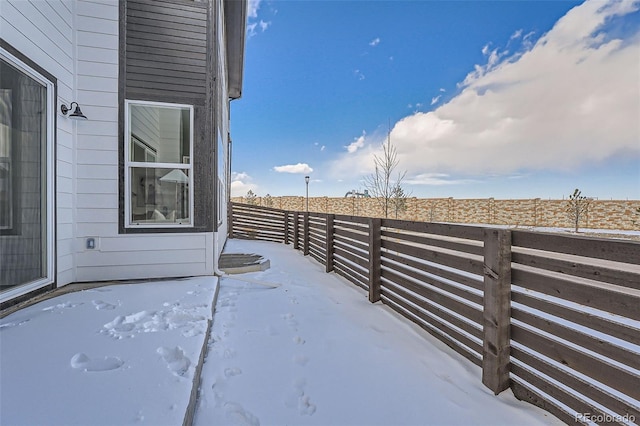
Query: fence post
{"x": 329, "y": 241}
{"x": 296, "y": 231}
{"x": 286, "y": 227}
{"x": 305, "y": 228}
{"x": 497, "y": 309}
{"x": 374, "y": 259}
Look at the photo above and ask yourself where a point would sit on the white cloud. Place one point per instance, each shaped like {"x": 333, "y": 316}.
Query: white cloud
{"x": 357, "y": 143}
{"x": 516, "y": 34}
{"x": 241, "y": 183}
{"x": 294, "y": 168}
{"x": 252, "y": 15}
{"x": 569, "y": 100}
{"x": 375, "y": 41}
{"x": 252, "y": 28}
{"x": 442, "y": 90}
{"x": 435, "y": 179}
{"x": 435, "y": 100}
{"x": 322, "y": 148}
{"x": 252, "y": 8}
{"x": 358, "y": 74}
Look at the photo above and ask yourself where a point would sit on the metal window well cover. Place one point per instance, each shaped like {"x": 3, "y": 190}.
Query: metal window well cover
{"x": 240, "y": 263}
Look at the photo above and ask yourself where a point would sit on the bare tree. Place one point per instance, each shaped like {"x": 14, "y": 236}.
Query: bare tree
{"x": 250, "y": 198}
{"x": 577, "y": 207}
{"x": 398, "y": 199}
{"x": 381, "y": 184}
{"x": 267, "y": 200}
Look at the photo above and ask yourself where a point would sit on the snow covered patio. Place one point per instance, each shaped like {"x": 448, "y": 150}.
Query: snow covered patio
{"x": 289, "y": 345}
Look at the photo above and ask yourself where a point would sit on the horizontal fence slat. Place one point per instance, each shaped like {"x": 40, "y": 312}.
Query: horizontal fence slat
{"x": 525, "y": 393}
{"x": 431, "y": 269}
{"x": 603, "y": 325}
{"x": 404, "y": 309}
{"x": 436, "y": 297}
{"x": 597, "y": 248}
{"x": 600, "y": 346}
{"x": 350, "y": 276}
{"x": 579, "y": 269}
{"x": 340, "y": 253}
{"x": 351, "y": 219}
{"x": 604, "y": 372}
{"x": 579, "y": 385}
{"x": 609, "y": 299}
{"x": 464, "y": 247}
{"x": 475, "y": 331}
{"x": 364, "y": 238}
{"x": 435, "y": 282}
{"x": 349, "y": 244}
{"x": 445, "y": 229}
{"x": 465, "y": 263}
{"x": 559, "y": 394}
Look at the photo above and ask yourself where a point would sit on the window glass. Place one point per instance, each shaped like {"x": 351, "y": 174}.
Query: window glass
{"x": 159, "y": 134}
{"x": 159, "y": 165}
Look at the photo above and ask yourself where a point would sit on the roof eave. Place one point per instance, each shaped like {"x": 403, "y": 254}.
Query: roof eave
{"x": 235, "y": 15}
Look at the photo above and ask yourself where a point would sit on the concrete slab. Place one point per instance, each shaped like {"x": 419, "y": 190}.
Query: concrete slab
{"x": 240, "y": 263}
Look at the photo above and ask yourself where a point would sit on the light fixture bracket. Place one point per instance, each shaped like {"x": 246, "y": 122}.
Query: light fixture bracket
{"x": 75, "y": 114}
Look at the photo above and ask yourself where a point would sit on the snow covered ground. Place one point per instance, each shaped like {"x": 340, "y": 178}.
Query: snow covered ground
{"x": 116, "y": 355}
{"x": 290, "y": 345}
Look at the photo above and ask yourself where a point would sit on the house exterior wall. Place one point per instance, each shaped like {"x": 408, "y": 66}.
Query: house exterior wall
{"x": 79, "y": 43}
{"x": 42, "y": 31}
{"x": 152, "y": 72}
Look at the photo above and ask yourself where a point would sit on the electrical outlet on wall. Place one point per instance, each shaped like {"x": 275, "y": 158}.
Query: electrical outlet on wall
{"x": 91, "y": 243}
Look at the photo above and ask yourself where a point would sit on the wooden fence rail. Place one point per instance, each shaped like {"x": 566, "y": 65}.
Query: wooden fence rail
{"x": 556, "y": 318}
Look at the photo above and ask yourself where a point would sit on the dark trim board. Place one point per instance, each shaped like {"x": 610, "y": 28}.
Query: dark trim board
{"x": 169, "y": 68}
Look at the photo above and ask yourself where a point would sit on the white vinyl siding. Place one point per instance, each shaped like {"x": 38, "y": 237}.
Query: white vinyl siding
{"x": 116, "y": 256}
{"x": 42, "y": 31}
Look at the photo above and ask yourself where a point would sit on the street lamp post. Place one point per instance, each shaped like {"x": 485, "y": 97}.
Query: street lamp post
{"x": 306, "y": 180}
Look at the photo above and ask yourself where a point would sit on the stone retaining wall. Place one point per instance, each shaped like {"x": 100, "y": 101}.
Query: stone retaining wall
{"x": 602, "y": 214}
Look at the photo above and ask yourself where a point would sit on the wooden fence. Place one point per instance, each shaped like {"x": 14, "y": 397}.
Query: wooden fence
{"x": 556, "y": 318}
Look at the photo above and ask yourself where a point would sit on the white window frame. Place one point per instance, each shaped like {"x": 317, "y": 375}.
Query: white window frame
{"x": 49, "y": 177}
{"x": 129, "y": 164}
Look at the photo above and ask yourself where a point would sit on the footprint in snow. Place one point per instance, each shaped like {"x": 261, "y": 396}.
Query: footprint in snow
{"x": 237, "y": 415}
{"x": 299, "y": 399}
{"x": 60, "y": 306}
{"x": 81, "y": 361}
{"x": 14, "y": 324}
{"x": 100, "y": 305}
{"x": 176, "y": 360}
{"x": 230, "y": 372}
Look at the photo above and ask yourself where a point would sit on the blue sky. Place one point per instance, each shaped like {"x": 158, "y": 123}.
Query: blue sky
{"x": 504, "y": 99}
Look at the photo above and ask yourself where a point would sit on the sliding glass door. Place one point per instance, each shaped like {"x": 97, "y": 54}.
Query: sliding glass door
{"x": 26, "y": 179}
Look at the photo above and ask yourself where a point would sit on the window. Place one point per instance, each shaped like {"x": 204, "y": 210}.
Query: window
{"x": 222, "y": 173}
{"x": 7, "y": 203}
{"x": 158, "y": 175}
{"x": 26, "y": 177}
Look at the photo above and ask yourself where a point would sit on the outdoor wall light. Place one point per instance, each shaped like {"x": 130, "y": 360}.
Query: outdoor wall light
{"x": 76, "y": 114}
